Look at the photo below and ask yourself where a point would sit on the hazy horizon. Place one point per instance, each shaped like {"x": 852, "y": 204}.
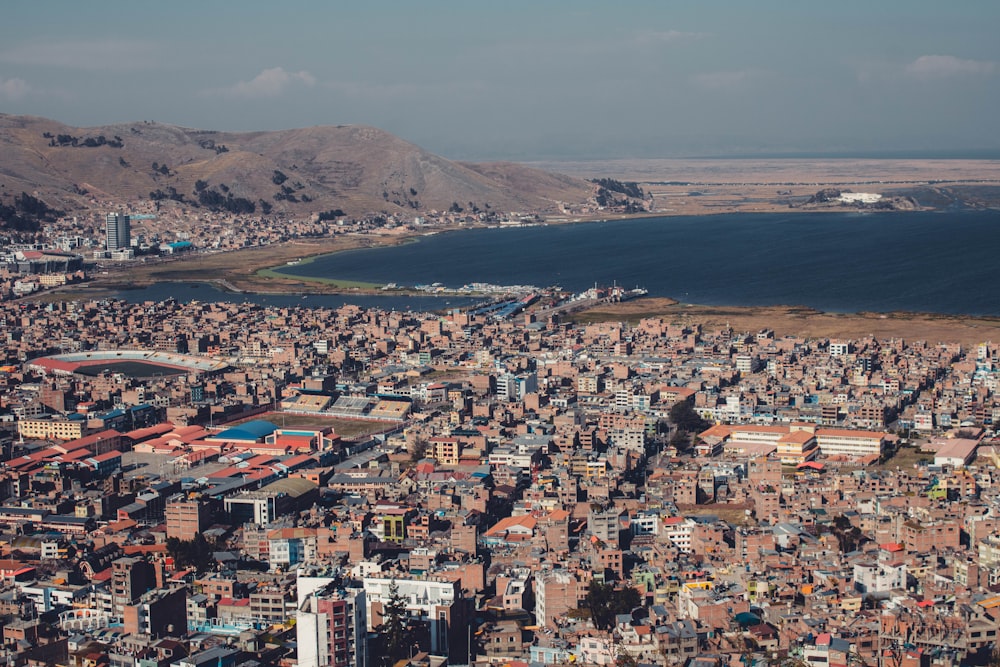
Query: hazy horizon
{"x": 528, "y": 81}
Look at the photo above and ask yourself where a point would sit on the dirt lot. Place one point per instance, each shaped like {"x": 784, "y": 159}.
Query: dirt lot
{"x": 345, "y": 428}
{"x": 805, "y": 322}
{"x": 749, "y": 185}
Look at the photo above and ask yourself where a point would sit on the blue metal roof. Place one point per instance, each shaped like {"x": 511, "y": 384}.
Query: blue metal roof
{"x": 251, "y": 430}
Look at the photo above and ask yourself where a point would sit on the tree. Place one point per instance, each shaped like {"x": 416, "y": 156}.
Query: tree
{"x": 393, "y": 628}
{"x": 684, "y": 417}
{"x": 605, "y": 602}
{"x": 680, "y": 440}
{"x": 196, "y": 552}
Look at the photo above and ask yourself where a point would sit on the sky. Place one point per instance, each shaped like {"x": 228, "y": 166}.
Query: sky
{"x": 520, "y": 80}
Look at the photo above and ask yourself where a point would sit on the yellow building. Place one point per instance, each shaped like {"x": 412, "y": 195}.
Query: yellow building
{"x": 797, "y": 447}
{"x": 52, "y": 429}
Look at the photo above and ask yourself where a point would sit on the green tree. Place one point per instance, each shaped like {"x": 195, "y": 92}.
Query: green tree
{"x": 196, "y": 552}
{"x": 681, "y": 440}
{"x": 684, "y": 417}
{"x": 605, "y": 602}
{"x": 393, "y": 628}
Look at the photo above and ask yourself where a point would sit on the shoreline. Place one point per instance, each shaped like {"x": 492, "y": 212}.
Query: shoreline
{"x": 804, "y": 322}
{"x": 415, "y": 236}
{"x": 253, "y": 270}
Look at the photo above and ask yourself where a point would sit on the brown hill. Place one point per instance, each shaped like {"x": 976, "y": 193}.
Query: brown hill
{"x": 357, "y": 169}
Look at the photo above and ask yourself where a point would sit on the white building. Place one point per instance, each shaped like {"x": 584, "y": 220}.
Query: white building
{"x": 330, "y": 627}
{"x": 437, "y": 602}
{"x": 850, "y": 443}
{"x": 679, "y": 531}
{"x": 879, "y": 579}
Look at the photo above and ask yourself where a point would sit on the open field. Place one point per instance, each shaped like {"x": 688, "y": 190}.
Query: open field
{"x": 905, "y": 458}
{"x": 804, "y": 322}
{"x": 695, "y": 186}
{"x": 345, "y": 428}
{"x": 248, "y": 270}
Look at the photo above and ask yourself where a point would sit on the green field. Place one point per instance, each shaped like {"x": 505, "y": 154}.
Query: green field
{"x": 331, "y": 282}
{"x": 272, "y": 272}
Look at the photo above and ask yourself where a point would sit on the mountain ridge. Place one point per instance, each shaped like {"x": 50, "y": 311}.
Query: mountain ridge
{"x": 358, "y": 169}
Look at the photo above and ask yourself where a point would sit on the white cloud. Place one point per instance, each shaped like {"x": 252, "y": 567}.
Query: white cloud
{"x": 269, "y": 83}
{"x": 948, "y": 66}
{"x": 14, "y": 88}
{"x": 102, "y": 55}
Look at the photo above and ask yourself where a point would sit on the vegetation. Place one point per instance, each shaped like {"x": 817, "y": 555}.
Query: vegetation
{"x": 285, "y": 194}
{"x": 605, "y": 602}
{"x": 393, "y": 630}
{"x": 332, "y": 282}
{"x": 332, "y": 214}
{"x": 170, "y": 193}
{"x": 687, "y": 422}
{"x": 606, "y": 199}
{"x": 89, "y": 142}
{"x": 685, "y": 418}
{"x": 210, "y": 145}
{"x": 26, "y": 212}
{"x": 627, "y": 188}
{"x": 195, "y": 553}
{"x": 216, "y": 201}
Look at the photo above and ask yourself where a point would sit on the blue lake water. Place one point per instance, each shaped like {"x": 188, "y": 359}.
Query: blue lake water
{"x": 837, "y": 262}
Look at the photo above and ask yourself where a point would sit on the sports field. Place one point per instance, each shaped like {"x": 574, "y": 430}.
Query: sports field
{"x": 133, "y": 369}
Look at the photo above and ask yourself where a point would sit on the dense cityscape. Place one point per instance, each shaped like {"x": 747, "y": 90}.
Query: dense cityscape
{"x": 204, "y": 483}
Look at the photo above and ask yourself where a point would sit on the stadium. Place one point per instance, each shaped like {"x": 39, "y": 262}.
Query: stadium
{"x": 131, "y": 363}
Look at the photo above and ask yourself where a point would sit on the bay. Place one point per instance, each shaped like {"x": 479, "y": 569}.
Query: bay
{"x": 935, "y": 262}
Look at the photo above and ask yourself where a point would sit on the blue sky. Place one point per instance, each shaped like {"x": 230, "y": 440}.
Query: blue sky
{"x": 525, "y": 80}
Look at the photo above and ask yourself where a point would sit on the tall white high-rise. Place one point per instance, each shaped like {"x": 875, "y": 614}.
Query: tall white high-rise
{"x": 118, "y": 228}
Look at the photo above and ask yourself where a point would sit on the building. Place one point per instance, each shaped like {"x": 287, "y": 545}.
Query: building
{"x": 834, "y": 441}
{"x": 158, "y": 613}
{"x": 556, "y": 593}
{"x": 278, "y": 498}
{"x": 186, "y": 517}
{"x": 118, "y": 231}
{"x": 879, "y": 579}
{"x": 439, "y": 603}
{"x": 330, "y": 628}
{"x": 55, "y": 429}
{"x": 130, "y": 578}
{"x": 797, "y": 447}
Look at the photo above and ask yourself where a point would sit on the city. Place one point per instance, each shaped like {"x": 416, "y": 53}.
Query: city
{"x": 563, "y": 334}
{"x": 206, "y": 483}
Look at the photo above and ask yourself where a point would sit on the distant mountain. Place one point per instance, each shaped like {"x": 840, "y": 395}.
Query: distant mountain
{"x": 356, "y": 169}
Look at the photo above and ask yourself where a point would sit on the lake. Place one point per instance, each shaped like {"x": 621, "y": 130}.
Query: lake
{"x": 937, "y": 262}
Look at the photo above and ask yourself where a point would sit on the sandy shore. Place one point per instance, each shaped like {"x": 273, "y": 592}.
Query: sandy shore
{"x": 806, "y": 322}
